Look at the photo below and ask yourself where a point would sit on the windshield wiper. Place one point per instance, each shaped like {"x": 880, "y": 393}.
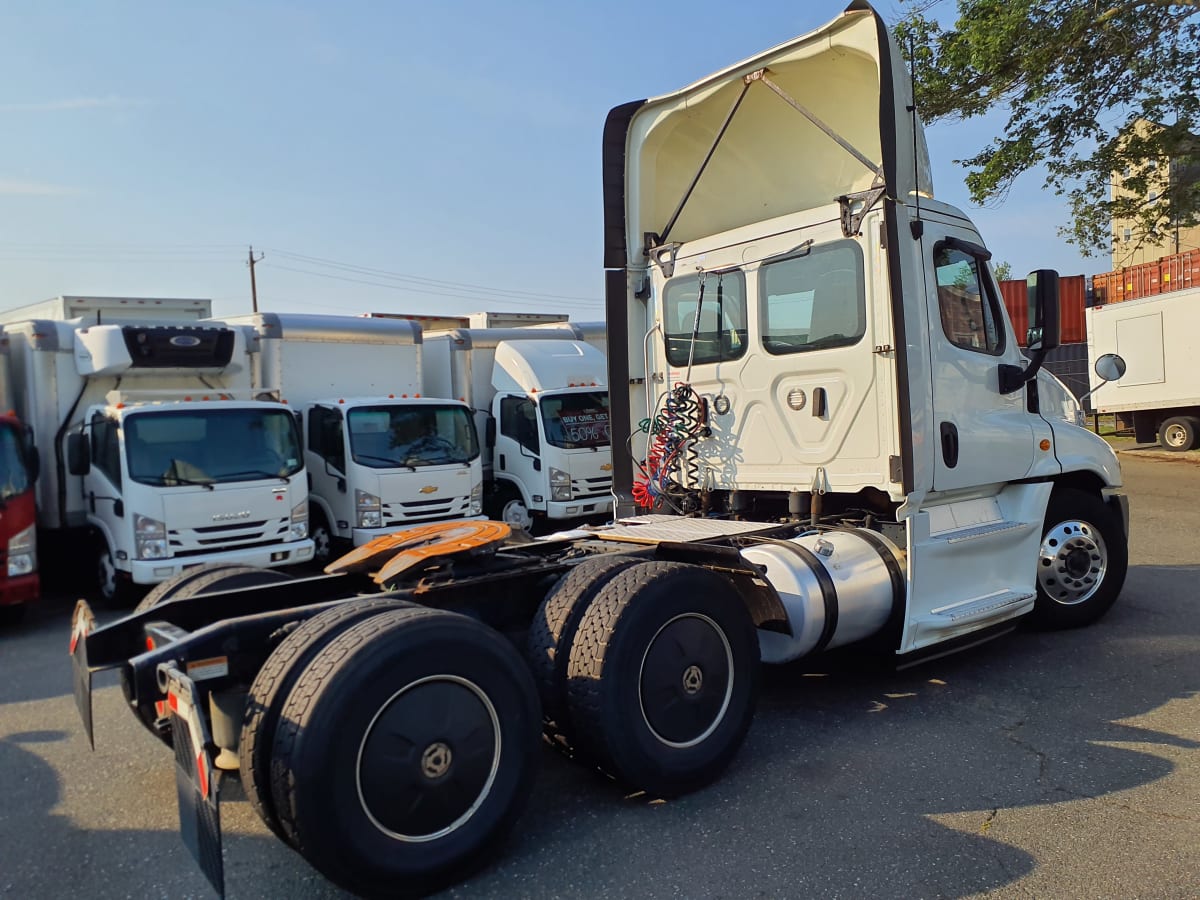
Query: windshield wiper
{"x": 179, "y": 479}
{"x": 261, "y": 473}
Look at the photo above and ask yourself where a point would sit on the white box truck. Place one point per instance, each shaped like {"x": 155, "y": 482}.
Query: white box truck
{"x": 1159, "y": 339}
{"x": 486, "y": 319}
{"x": 380, "y": 456}
{"x": 843, "y": 443}
{"x": 154, "y": 455}
{"x": 540, "y": 400}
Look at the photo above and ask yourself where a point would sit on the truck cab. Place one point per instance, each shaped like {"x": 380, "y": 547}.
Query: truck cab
{"x": 378, "y": 464}
{"x": 19, "y": 582}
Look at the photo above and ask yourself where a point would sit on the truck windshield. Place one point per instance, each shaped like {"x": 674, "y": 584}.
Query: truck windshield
{"x": 14, "y": 472}
{"x": 574, "y": 421}
{"x": 211, "y": 446}
{"x": 389, "y": 437}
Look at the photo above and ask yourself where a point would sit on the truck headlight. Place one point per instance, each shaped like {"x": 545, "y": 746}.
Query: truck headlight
{"x": 149, "y": 538}
{"x": 299, "y": 529}
{"x": 22, "y": 552}
{"x": 369, "y": 510}
{"x": 560, "y": 484}
{"x": 476, "y": 498}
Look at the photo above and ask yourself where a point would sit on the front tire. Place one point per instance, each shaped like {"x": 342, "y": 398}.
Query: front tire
{"x": 322, "y": 537}
{"x": 109, "y": 588}
{"x": 405, "y": 750}
{"x": 1082, "y": 561}
{"x": 509, "y": 507}
{"x": 663, "y": 677}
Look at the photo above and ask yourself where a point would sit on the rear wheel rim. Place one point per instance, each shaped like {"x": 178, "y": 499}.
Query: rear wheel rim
{"x": 1072, "y": 562}
{"x": 428, "y": 759}
{"x": 685, "y": 681}
{"x": 1175, "y": 435}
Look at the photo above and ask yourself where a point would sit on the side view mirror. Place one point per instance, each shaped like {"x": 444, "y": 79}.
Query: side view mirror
{"x": 79, "y": 454}
{"x": 1044, "y": 331}
{"x": 1109, "y": 367}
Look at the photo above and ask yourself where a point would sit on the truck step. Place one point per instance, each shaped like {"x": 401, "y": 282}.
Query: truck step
{"x": 989, "y": 606}
{"x": 976, "y": 532}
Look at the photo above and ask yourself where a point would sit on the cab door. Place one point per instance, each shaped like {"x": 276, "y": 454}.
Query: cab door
{"x": 980, "y": 435}
{"x": 519, "y": 448}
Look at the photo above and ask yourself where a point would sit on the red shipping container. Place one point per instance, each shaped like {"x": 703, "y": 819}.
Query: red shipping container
{"x": 1072, "y": 295}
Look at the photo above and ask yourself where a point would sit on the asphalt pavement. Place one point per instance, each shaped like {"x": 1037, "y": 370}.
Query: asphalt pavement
{"x": 1038, "y": 765}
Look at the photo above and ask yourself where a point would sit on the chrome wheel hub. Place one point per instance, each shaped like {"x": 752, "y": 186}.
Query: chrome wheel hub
{"x": 693, "y": 680}
{"x": 1072, "y": 562}
{"x": 435, "y": 761}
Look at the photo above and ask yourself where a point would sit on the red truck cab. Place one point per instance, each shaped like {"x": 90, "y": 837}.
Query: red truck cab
{"x": 19, "y": 583}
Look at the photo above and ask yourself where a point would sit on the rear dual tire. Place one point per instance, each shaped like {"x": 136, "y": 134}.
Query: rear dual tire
{"x": 437, "y": 732}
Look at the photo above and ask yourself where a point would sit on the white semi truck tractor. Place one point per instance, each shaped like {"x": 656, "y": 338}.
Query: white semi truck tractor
{"x": 823, "y": 433}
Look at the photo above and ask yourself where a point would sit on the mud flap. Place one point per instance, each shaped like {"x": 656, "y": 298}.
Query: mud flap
{"x": 196, "y": 779}
{"x": 83, "y": 623}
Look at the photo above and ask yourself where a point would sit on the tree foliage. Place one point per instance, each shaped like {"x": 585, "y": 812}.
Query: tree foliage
{"x": 1075, "y": 77}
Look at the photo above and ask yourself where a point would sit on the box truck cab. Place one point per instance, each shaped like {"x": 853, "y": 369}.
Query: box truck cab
{"x": 156, "y": 456}
{"x": 540, "y": 399}
{"x": 19, "y": 582}
{"x": 380, "y": 456}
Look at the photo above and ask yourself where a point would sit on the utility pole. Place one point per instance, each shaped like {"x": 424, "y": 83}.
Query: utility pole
{"x": 253, "y": 287}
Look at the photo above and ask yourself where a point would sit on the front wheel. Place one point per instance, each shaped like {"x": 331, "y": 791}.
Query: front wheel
{"x": 322, "y": 537}
{"x": 509, "y": 507}
{"x": 109, "y": 588}
{"x": 1081, "y": 563}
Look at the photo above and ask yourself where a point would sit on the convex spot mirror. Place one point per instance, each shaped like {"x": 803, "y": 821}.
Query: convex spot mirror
{"x": 1110, "y": 367}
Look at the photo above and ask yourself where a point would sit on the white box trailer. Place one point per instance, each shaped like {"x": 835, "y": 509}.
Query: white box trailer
{"x": 540, "y": 400}
{"x": 110, "y": 310}
{"x": 476, "y": 320}
{"x": 1159, "y": 339}
{"x": 154, "y": 456}
{"x": 380, "y": 455}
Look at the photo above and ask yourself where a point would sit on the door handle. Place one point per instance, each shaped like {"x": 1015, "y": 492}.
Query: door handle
{"x": 819, "y": 405}
{"x": 501, "y": 460}
{"x": 950, "y": 444}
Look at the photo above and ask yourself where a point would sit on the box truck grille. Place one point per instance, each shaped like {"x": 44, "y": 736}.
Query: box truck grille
{"x": 423, "y": 510}
{"x": 581, "y": 488}
{"x": 229, "y": 536}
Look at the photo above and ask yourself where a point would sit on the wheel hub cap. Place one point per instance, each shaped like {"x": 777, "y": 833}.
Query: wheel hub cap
{"x": 693, "y": 680}
{"x": 435, "y": 761}
{"x": 686, "y": 680}
{"x": 1072, "y": 562}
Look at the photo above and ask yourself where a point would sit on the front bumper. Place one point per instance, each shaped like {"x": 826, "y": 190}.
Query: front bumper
{"x": 152, "y": 571}
{"x": 21, "y": 589}
{"x": 576, "y": 509}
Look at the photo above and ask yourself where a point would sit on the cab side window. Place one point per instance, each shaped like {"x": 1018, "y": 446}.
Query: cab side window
{"x": 325, "y": 436}
{"x": 969, "y": 309}
{"x": 106, "y": 452}
{"x": 518, "y": 420}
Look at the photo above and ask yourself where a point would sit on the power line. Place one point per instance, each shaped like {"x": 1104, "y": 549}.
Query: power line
{"x": 420, "y": 280}
{"x": 462, "y": 295}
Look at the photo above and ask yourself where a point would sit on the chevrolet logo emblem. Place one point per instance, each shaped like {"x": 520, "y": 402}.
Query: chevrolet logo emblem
{"x": 429, "y": 489}
{"x": 607, "y": 467}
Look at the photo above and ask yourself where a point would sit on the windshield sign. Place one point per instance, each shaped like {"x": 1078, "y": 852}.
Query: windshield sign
{"x": 574, "y": 421}
{"x": 389, "y": 437}
{"x": 211, "y": 446}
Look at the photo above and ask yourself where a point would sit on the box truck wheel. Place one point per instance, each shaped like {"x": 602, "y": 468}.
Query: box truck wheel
{"x": 663, "y": 677}
{"x": 204, "y": 579}
{"x": 508, "y": 506}
{"x": 1081, "y": 563}
{"x": 271, "y": 687}
{"x": 322, "y": 536}
{"x": 405, "y": 750}
{"x": 110, "y": 589}
{"x": 1179, "y": 433}
{"x": 548, "y": 646}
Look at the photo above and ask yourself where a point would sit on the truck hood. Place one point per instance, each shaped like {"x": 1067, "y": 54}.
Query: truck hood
{"x": 227, "y": 506}
{"x": 796, "y": 127}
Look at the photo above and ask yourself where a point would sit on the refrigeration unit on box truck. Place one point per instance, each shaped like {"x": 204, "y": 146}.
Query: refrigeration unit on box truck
{"x": 540, "y": 402}
{"x": 1159, "y": 339}
{"x": 155, "y": 457}
{"x": 380, "y": 456}
{"x": 824, "y": 432}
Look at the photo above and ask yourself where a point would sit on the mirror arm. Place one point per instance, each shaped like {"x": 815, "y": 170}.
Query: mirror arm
{"x": 1013, "y": 378}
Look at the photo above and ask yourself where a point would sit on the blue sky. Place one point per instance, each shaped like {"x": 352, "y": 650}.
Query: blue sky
{"x": 390, "y": 156}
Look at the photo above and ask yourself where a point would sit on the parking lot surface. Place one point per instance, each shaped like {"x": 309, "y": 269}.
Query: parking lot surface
{"x": 1038, "y": 765}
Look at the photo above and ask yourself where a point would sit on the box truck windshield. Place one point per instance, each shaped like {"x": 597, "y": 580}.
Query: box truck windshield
{"x": 211, "y": 446}
{"x": 14, "y": 468}
{"x": 576, "y": 421}
{"x": 383, "y": 437}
